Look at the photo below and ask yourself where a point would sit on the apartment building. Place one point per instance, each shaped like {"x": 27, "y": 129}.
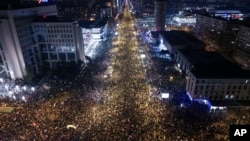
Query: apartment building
{"x": 218, "y": 33}
{"x": 209, "y": 74}
{"x": 19, "y": 50}
{"x": 92, "y": 31}
{"x": 242, "y": 52}
{"x": 58, "y": 39}
{"x": 215, "y": 78}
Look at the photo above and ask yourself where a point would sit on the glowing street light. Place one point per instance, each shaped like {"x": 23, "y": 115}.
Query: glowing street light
{"x": 17, "y": 87}
{"x": 171, "y": 78}
{"x": 32, "y": 89}
{"x": 10, "y": 93}
{"x": 24, "y": 87}
{"x": 6, "y": 87}
{"x": 1, "y": 80}
{"x": 23, "y": 98}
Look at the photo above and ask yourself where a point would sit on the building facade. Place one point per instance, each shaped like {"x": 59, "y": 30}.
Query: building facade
{"x": 20, "y": 51}
{"x": 160, "y": 15}
{"x": 58, "y": 40}
{"x": 242, "y": 52}
{"x": 218, "y": 89}
{"x": 209, "y": 74}
{"x": 217, "y": 33}
{"x": 92, "y": 31}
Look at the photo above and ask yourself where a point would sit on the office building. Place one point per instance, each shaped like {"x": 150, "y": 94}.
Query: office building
{"x": 160, "y": 15}
{"x": 58, "y": 39}
{"x": 209, "y": 74}
{"x": 19, "y": 50}
{"x": 218, "y": 33}
{"x": 215, "y": 78}
{"x": 242, "y": 52}
{"x": 92, "y": 31}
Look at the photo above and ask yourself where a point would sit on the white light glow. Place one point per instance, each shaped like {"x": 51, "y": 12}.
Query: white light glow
{"x": 165, "y": 95}
{"x": 23, "y": 98}
{"x": 143, "y": 56}
{"x": 91, "y": 48}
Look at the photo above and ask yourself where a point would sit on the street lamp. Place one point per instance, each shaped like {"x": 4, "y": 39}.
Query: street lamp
{"x": 1, "y": 80}
{"x": 32, "y": 89}
{"x": 6, "y": 87}
{"x": 10, "y": 93}
{"x": 24, "y": 87}
{"x": 23, "y": 98}
{"x": 17, "y": 88}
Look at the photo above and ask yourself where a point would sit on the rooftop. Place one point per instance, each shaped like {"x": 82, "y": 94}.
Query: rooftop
{"x": 155, "y": 34}
{"x": 91, "y": 24}
{"x": 205, "y": 64}
{"x": 173, "y": 38}
{"x": 213, "y": 65}
{"x": 177, "y": 37}
{"x": 52, "y": 19}
{"x": 16, "y": 5}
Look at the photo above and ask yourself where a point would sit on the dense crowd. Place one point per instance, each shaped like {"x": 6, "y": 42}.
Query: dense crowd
{"x": 121, "y": 106}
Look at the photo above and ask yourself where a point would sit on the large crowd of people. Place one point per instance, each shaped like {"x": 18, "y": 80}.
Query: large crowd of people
{"x": 121, "y": 106}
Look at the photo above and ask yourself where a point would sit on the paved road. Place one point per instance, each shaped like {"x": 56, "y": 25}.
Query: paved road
{"x": 128, "y": 109}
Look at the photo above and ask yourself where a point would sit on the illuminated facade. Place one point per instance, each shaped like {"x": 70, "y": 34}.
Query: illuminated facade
{"x": 218, "y": 88}
{"x": 217, "y": 33}
{"x": 20, "y": 51}
{"x": 229, "y": 14}
{"x": 92, "y": 30}
{"x": 184, "y": 19}
{"x": 58, "y": 39}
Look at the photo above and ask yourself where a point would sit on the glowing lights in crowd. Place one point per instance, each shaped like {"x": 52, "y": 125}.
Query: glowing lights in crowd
{"x": 39, "y": 1}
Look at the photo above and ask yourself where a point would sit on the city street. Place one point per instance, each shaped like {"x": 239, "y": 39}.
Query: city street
{"x": 114, "y": 98}
{"x": 128, "y": 109}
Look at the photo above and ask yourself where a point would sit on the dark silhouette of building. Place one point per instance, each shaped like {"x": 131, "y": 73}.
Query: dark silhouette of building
{"x": 160, "y": 15}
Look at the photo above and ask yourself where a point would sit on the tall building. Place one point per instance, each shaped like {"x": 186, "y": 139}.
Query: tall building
{"x": 160, "y": 15}
{"x": 58, "y": 40}
{"x": 218, "y": 33}
{"x": 19, "y": 50}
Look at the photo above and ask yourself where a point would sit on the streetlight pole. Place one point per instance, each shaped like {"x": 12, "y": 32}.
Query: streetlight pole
{"x": 32, "y": 89}
{"x": 6, "y": 87}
